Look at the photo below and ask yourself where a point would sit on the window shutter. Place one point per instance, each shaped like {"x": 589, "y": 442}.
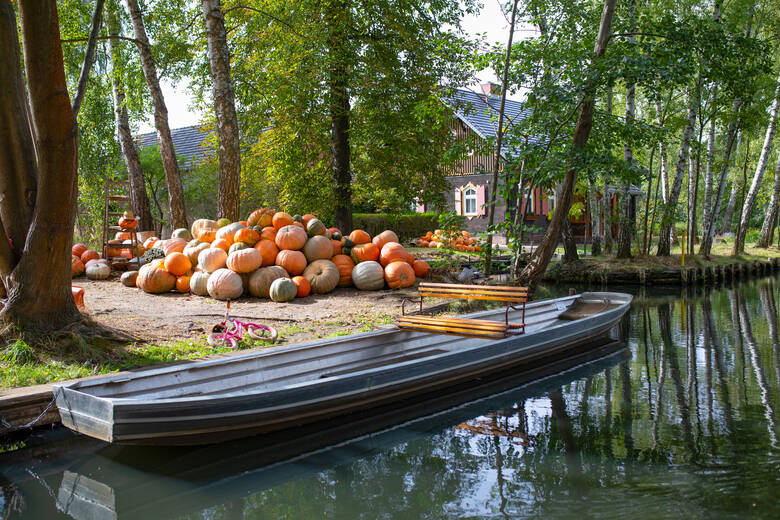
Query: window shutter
{"x": 481, "y": 200}
{"x": 458, "y": 205}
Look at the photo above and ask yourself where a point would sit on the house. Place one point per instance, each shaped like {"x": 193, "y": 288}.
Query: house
{"x": 187, "y": 142}
{"x": 475, "y": 119}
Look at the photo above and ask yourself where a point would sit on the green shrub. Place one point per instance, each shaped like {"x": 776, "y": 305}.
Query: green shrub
{"x": 406, "y": 226}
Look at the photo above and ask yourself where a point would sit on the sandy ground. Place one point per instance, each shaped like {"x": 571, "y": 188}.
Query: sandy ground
{"x": 174, "y": 316}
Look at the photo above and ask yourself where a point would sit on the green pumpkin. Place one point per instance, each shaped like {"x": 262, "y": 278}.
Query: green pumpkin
{"x": 336, "y": 236}
{"x": 315, "y": 227}
{"x": 348, "y": 243}
{"x": 238, "y": 246}
{"x": 223, "y": 222}
{"x": 346, "y": 250}
{"x": 257, "y": 228}
{"x": 298, "y": 218}
{"x": 283, "y": 290}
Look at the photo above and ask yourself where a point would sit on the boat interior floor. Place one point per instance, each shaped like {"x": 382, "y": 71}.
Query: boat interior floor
{"x": 584, "y": 308}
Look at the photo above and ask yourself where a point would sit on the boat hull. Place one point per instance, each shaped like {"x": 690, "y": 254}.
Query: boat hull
{"x": 215, "y": 418}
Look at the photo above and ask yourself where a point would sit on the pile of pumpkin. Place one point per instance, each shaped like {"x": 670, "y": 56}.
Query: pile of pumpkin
{"x": 85, "y": 260}
{"x": 459, "y": 240}
{"x": 274, "y": 255}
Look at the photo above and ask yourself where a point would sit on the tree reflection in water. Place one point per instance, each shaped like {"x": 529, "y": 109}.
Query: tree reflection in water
{"x": 685, "y": 427}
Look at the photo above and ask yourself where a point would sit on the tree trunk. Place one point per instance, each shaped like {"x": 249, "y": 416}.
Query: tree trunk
{"x": 606, "y": 208}
{"x": 750, "y": 198}
{"x": 499, "y": 141}
{"x": 725, "y": 226}
{"x": 626, "y": 225}
{"x": 535, "y": 269}
{"x": 138, "y": 198}
{"x": 39, "y": 283}
{"x": 662, "y": 154}
{"x": 712, "y": 207}
{"x": 229, "y": 198}
{"x": 569, "y": 244}
{"x": 164, "y": 140}
{"x": 595, "y": 221}
{"x": 338, "y": 84}
{"x": 89, "y": 56}
{"x": 768, "y": 228}
{"x": 670, "y": 206}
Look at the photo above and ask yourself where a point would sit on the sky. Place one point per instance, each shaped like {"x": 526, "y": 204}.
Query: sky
{"x": 489, "y": 21}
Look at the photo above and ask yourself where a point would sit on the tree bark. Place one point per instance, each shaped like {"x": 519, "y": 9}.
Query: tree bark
{"x": 768, "y": 227}
{"x": 499, "y": 142}
{"x": 670, "y": 206}
{"x": 750, "y": 198}
{"x": 39, "y": 293}
{"x": 595, "y": 221}
{"x": 89, "y": 56}
{"x": 229, "y": 198}
{"x": 626, "y": 225}
{"x": 728, "y": 213}
{"x": 138, "y": 198}
{"x": 164, "y": 140}
{"x": 535, "y": 269}
{"x": 338, "y": 84}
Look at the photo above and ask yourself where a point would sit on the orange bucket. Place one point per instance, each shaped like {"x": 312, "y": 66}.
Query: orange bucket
{"x": 78, "y": 295}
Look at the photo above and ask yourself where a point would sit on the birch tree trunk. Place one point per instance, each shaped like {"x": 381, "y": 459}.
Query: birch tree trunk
{"x": 35, "y": 265}
{"x": 670, "y": 206}
{"x": 728, "y": 213}
{"x": 540, "y": 259}
{"x": 750, "y": 198}
{"x": 164, "y": 140}
{"x": 768, "y": 228}
{"x": 229, "y": 198}
{"x": 138, "y": 198}
{"x": 625, "y": 223}
{"x": 595, "y": 221}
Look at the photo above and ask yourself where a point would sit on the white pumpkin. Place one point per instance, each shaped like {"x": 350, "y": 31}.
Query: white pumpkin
{"x": 98, "y": 271}
{"x": 211, "y": 259}
{"x": 224, "y": 284}
{"x": 368, "y": 276}
{"x": 198, "y": 283}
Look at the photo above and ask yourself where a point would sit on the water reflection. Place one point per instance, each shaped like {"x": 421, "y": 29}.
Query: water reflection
{"x": 682, "y": 422}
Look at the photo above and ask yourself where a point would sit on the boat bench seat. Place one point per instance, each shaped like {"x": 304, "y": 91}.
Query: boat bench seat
{"x": 467, "y": 326}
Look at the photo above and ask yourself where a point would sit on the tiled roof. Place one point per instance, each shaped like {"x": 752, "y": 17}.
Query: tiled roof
{"x": 187, "y": 141}
{"x": 480, "y": 113}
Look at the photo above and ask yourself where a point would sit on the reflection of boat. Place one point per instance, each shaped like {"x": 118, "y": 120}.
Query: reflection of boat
{"x": 215, "y": 400}
{"x": 170, "y": 482}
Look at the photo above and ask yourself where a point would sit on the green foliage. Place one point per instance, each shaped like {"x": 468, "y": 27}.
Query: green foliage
{"x": 18, "y": 353}
{"x": 406, "y": 226}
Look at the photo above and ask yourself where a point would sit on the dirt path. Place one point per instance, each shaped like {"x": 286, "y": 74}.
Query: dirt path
{"x": 175, "y": 316}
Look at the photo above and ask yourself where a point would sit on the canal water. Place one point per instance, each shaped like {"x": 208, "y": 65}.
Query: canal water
{"x": 675, "y": 418}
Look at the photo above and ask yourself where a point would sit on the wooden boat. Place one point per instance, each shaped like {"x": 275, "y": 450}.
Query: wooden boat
{"x": 211, "y": 401}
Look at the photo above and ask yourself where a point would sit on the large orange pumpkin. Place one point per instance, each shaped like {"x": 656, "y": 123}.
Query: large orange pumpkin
{"x": 318, "y": 248}
{"x": 391, "y": 252}
{"x": 260, "y": 281}
{"x": 291, "y": 237}
{"x": 174, "y": 245}
{"x": 281, "y": 219}
{"x": 78, "y": 249}
{"x": 268, "y": 250}
{"x": 421, "y": 268}
{"x": 399, "y": 275}
{"x": 260, "y": 217}
{"x": 155, "y": 280}
{"x": 345, "y": 266}
{"x": 177, "y": 264}
{"x": 88, "y": 255}
{"x": 384, "y": 237}
{"x": 247, "y": 235}
{"x": 294, "y": 262}
{"x": 303, "y": 285}
{"x": 222, "y": 244}
{"x": 365, "y": 253}
{"x": 204, "y": 230}
{"x": 336, "y": 246}
{"x": 183, "y": 284}
{"x": 244, "y": 260}
{"x": 359, "y": 236}
{"x": 76, "y": 266}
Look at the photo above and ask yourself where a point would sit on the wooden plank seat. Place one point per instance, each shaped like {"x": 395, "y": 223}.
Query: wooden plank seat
{"x": 467, "y": 326}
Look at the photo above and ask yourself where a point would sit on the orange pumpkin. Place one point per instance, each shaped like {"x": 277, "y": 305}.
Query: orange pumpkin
{"x": 294, "y": 262}
{"x": 303, "y": 285}
{"x": 123, "y": 235}
{"x": 78, "y": 250}
{"x": 174, "y": 245}
{"x": 345, "y": 266}
{"x": 392, "y": 251}
{"x": 334, "y": 230}
{"x": 247, "y": 235}
{"x": 306, "y": 218}
{"x": 205, "y": 230}
{"x": 384, "y": 237}
{"x": 299, "y": 224}
{"x": 76, "y": 266}
{"x": 177, "y": 263}
{"x": 128, "y": 223}
{"x": 365, "y": 253}
{"x": 88, "y": 255}
{"x": 268, "y": 233}
{"x": 428, "y": 236}
{"x": 149, "y": 242}
{"x": 183, "y": 284}
{"x": 260, "y": 217}
{"x": 359, "y": 236}
{"x": 336, "y": 246}
{"x": 410, "y": 258}
{"x": 399, "y": 275}
{"x": 222, "y": 244}
{"x": 421, "y": 268}
{"x": 281, "y": 219}
{"x": 291, "y": 238}
{"x": 113, "y": 248}
{"x": 154, "y": 279}
{"x": 268, "y": 250}
{"x": 424, "y": 243}
{"x": 244, "y": 260}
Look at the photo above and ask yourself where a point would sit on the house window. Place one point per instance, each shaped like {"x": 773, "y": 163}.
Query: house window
{"x": 469, "y": 201}
{"x": 551, "y": 204}
{"x": 530, "y": 206}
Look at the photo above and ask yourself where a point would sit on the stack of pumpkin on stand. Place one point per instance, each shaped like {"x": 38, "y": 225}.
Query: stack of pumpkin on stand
{"x": 460, "y": 240}
{"x": 274, "y": 255}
